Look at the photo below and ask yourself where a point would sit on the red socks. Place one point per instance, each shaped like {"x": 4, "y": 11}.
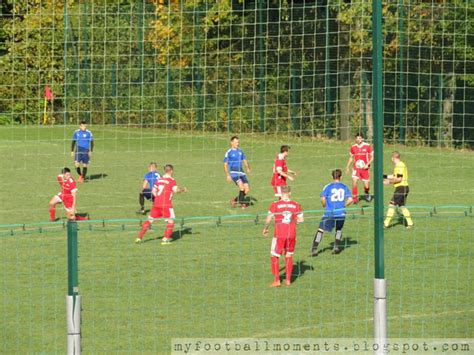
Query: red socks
{"x": 275, "y": 268}
{"x": 52, "y": 214}
{"x": 366, "y": 190}
{"x": 355, "y": 194}
{"x": 288, "y": 267}
{"x": 144, "y": 229}
{"x": 169, "y": 230}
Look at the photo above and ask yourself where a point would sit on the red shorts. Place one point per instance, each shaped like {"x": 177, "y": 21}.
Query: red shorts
{"x": 162, "y": 212}
{"x": 281, "y": 244}
{"x": 360, "y": 174}
{"x": 67, "y": 200}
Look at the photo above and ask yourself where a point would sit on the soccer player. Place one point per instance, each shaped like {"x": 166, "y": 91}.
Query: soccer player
{"x": 81, "y": 149}
{"x": 163, "y": 191}
{"x": 234, "y": 160}
{"x": 361, "y": 156}
{"x": 67, "y": 196}
{"x": 148, "y": 182}
{"x": 281, "y": 171}
{"x": 335, "y": 197}
{"x": 399, "y": 179}
{"x": 287, "y": 213}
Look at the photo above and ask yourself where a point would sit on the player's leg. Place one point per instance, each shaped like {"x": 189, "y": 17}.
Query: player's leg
{"x": 85, "y": 163}
{"x": 338, "y": 236}
{"x": 390, "y": 213}
{"x": 366, "y": 181}
{"x": 325, "y": 224}
{"x": 168, "y": 234}
{"x": 246, "y": 192}
{"x": 154, "y": 213}
{"x": 290, "y": 250}
{"x": 52, "y": 207}
{"x": 144, "y": 194}
{"x": 404, "y": 210}
{"x": 241, "y": 197}
{"x": 275, "y": 251}
{"x": 355, "y": 191}
{"x": 77, "y": 164}
{"x": 277, "y": 192}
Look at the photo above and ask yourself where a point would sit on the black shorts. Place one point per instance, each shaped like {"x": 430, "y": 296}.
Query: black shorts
{"x": 400, "y": 196}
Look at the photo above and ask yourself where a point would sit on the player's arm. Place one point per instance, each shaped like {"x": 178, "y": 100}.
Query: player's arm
{"x": 227, "y": 173}
{"x": 282, "y": 173}
{"x": 348, "y": 202}
{"x": 371, "y": 159}
{"x": 73, "y": 146}
{"x": 300, "y": 218}
{"x": 267, "y": 224}
{"x": 291, "y": 172}
{"x": 349, "y": 162}
{"x": 392, "y": 179}
{"x": 323, "y": 201}
{"x": 247, "y": 166}
{"x": 179, "y": 189}
{"x": 92, "y": 147}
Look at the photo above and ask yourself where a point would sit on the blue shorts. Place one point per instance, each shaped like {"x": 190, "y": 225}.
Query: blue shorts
{"x": 82, "y": 155}
{"x": 242, "y": 178}
{"x": 328, "y": 223}
{"x": 147, "y": 194}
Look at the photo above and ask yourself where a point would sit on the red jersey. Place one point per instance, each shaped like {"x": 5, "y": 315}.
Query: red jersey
{"x": 279, "y": 165}
{"x": 67, "y": 186}
{"x": 361, "y": 152}
{"x": 285, "y": 213}
{"x": 165, "y": 187}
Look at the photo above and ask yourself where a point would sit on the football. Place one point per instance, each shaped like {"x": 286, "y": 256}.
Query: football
{"x": 360, "y": 164}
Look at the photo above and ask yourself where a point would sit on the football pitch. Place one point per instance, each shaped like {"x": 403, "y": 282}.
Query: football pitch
{"x": 212, "y": 281}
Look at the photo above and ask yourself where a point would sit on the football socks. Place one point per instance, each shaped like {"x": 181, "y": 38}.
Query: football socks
{"x": 406, "y": 214}
{"x": 317, "y": 239}
{"x": 275, "y": 268}
{"x": 84, "y": 172}
{"x": 288, "y": 267}
{"x": 78, "y": 169}
{"x": 141, "y": 198}
{"x": 388, "y": 218}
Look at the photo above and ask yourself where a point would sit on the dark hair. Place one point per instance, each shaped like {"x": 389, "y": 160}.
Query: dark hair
{"x": 284, "y": 148}
{"x": 359, "y": 134}
{"x": 234, "y": 137}
{"x": 65, "y": 170}
{"x": 168, "y": 167}
{"x": 336, "y": 174}
{"x": 83, "y": 122}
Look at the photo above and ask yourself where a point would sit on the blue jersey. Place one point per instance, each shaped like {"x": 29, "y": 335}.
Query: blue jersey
{"x": 151, "y": 178}
{"x": 83, "y": 139}
{"x": 234, "y": 158}
{"x": 336, "y": 194}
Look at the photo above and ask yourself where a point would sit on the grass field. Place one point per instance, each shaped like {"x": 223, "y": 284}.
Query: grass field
{"x": 212, "y": 280}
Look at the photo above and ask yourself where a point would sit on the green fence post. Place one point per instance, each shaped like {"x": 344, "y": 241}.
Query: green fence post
{"x": 380, "y": 290}
{"x": 260, "y": 65}
{"x": 401, "y": 84}
{"x": 73, "y": 300}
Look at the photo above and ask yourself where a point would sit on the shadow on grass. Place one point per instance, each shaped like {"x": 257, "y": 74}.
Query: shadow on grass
{"x": 177, "y": 235}
{"x": 96, "y": 177}
{"x": 346, "y": 244}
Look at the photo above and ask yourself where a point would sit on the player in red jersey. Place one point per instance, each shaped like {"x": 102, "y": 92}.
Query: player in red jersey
{"x": 163, "y": 192}
{"x": 361, "y": 156}
{"x": 287, "y": 213}
{"x": 67, "y": 196}
{"x": 281, "y": 171}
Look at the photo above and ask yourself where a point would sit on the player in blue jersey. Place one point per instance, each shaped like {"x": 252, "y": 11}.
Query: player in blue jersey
{"x": 148, "y": 182}
{"x": 234, "y": 162}
{"x": 335, "y": 197}
{"x": 81, "y": 149}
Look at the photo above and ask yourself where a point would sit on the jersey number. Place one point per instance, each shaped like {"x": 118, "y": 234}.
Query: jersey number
{"x": 286, "y": 217}
{"x": 160, "y": 189}
{"x": 337, "y": 195}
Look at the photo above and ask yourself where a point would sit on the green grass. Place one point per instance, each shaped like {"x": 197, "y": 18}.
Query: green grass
{"x": 213, "y": 281}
